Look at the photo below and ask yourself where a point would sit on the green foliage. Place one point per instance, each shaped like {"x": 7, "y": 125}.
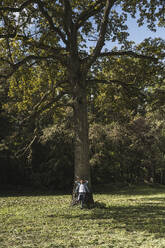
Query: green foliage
{"x": 130, "y": 152}
{"x": 103, "y": 154}
{"x": 54, "y": 168}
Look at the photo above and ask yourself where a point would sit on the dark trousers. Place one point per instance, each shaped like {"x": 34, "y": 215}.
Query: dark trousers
{"x": 82, "y": 199}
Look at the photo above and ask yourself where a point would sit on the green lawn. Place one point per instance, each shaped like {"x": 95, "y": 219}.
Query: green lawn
{"x": 126, "y": 218}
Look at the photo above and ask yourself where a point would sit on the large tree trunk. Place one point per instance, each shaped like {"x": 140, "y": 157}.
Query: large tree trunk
{"x": 82, "y": 166}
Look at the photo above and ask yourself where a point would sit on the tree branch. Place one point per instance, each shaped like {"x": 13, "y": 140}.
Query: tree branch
{"x": 34, "y": 57}
{"x": 125, "y": 85}
{"x": 43, "y": 11}
{"x": 86, "y": 14}
{"x": 45, "y": 47}
{"x": 58, "y": 84}
{"x": 18, "y": 9}
{"x": 6, "y": 61}
{"x": 6, "y": 21}
{"x": 27, "y": 147}
{"x": 101, "y": 40}
{"x": 70, "y": 28}
{"x": 9, "y": 35}
{"x": 103, "y": 81}
{"x": 68, "y": 24}
{"x": 49, "y": 19}
{"x": 23, "y": 61}
{"x": 35, "y": 112}
{"x": 11, "y": 31}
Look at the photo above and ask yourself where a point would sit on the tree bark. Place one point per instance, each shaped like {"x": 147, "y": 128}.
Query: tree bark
{"x": 81, "y": 149}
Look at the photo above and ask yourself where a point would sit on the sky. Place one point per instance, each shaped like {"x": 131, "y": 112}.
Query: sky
{"x": 138, "y": 34}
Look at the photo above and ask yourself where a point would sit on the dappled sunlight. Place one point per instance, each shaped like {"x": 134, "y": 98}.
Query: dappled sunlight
{"x": 116, "y": 220}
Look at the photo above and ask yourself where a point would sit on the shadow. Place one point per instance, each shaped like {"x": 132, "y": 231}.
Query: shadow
{"x": 20, "y": 192}
{"x": 146, "y": 215}
{"x": 15, "y": 191}
{"x": 150, "y": 218}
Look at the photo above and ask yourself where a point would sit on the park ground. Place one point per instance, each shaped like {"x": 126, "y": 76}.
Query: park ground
{"x": 129, "y": 217}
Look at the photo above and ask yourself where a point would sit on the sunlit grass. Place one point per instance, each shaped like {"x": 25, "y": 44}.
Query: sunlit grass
{"x": 123, "y": 219}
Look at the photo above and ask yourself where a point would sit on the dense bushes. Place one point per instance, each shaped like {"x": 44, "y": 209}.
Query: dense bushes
{"x": 126, "y": 153}
{"x": 118, "y": 153}
{"x": 52, "y": 162}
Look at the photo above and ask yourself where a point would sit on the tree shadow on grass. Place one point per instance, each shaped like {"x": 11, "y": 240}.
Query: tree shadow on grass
{"x": 15, "y": 191}
{"x": 145, "y": 217}
{"x": 30, "y": 192}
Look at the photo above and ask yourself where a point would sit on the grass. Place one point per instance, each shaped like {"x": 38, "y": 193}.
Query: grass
{"x": 127, "y": 218}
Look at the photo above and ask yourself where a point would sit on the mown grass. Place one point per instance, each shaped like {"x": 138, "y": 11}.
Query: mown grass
{"x": 127, "y": 218}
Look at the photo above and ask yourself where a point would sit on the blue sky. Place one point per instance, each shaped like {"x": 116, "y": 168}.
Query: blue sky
{"x": 138, "y": 34}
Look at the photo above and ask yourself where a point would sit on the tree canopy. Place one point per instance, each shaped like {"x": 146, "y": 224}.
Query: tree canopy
{"x": 56, "y": 56}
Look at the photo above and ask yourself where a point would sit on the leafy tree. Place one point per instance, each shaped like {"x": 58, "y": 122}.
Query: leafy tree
{"x": 59, "y": 32}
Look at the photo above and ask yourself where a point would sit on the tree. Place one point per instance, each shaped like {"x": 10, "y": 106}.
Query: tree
{"x": 59, "y": 32}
